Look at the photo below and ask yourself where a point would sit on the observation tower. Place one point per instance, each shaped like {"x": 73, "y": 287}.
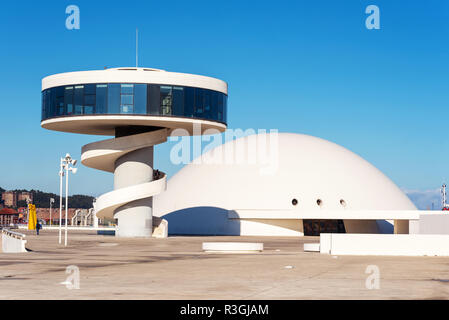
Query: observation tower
{"x": 140, "y": 107}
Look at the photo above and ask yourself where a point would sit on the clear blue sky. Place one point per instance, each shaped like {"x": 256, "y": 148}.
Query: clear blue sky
{"x": 298, "y": 66}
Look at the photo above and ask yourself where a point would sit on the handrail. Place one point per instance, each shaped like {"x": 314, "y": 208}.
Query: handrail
{"x": 13, "y": 234}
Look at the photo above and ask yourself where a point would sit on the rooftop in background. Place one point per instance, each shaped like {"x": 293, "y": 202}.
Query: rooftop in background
{"x": 8, "y": 211}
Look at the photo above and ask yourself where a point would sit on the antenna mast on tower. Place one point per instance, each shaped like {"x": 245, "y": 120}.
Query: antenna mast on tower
{"x": 137, "y": 47}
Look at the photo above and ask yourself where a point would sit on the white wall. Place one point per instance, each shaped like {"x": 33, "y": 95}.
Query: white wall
{"x": 434, "y": 223}
{"x": 385, "y": 244}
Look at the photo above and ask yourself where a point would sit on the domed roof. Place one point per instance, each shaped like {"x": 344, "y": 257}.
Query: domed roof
{"x": 317, "y": 173}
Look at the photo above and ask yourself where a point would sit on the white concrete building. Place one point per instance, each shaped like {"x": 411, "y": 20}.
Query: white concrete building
{"x": 313, "y": 186}
{"x": 284, "y": 185}
{"x": 141, "y": 107}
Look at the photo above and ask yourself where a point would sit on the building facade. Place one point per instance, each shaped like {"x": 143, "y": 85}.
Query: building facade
{"x": 141, "y": 107}
{"x": 25, "y": 196}
{"x": 11, "y": 198}
{"x": 8, "y": 216}
{"x": 302, "y": 185}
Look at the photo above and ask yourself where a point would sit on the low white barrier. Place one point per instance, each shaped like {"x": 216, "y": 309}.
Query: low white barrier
{"x": 311, "y": 247}
{"x": 13, "y": 242}
{"x": 384, "y": 244}
{"x": 232, "y": 247}
{"x": 71, "y": 228}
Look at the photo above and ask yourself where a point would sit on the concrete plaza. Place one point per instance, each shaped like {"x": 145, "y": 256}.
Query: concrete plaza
{"x": 176, "y": 268}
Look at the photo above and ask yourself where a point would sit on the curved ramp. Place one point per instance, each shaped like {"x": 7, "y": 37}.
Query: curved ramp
{"x": 105, "y": 155}
{"x": 102, "y": 155}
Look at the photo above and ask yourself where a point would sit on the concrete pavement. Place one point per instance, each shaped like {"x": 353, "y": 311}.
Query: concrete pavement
{"x": 176, "y": 268}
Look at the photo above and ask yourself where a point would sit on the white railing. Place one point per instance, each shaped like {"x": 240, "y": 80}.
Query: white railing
{"x": 13, "y": 234}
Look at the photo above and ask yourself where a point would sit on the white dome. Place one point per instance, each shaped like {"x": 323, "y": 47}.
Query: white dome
{"x": 308, "y": 169}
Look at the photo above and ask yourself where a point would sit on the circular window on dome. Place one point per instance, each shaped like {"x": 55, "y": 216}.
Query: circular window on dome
{"x": 294, "y": 202}
{"x": 319, "y": 202}
{"x": 343, "y": 202}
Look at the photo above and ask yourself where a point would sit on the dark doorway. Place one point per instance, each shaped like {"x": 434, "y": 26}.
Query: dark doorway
{"x": 315, "y": 227}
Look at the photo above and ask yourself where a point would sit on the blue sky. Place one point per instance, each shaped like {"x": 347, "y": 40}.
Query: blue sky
{"x": 298, "y": 66}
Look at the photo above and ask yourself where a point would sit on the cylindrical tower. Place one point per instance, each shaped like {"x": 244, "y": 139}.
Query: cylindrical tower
{"x": 140, "y": 107}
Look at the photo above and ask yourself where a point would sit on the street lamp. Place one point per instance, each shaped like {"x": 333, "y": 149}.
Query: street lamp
{"x": 52, "y": 200}
{"x": 61, "y": 174}
{"x": 28, "y": 200}
{"x": 67, "y": 162}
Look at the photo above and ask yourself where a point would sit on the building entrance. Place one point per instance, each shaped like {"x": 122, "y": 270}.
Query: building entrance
{"x": 315, "y": 227}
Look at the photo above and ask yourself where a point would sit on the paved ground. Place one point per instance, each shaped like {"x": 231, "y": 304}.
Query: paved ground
{"x": 176, "y": 268}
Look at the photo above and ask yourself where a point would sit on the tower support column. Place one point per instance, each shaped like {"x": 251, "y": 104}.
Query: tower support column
{"x": 135, "y": 219}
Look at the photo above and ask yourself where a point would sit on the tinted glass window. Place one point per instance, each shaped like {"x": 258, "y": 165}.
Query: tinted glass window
{"x": 88, "y": 109}
{"x": 53, "y": 103}
{"x": 89, "y": 100}
{"x": 166, "y": 100}
{"x": 126, "y": 98}
{"x": 207, "y": 104}
{"x": 214, "y": 105}
{"x": 101, "y": 98}
{"x": 78, "y": 109}
{"x": 225, "y": 108}
{"x": 79, "y": 99}
{"x": 114, "y": 98}
{"x": 220, "y": 108}
{"x": 60, "y": 110}
{"x": 154, "y": 98}
{"x": 178, "y": 101}
{"x": 68, "y": 100}
{"x": 127, "y": 88}
{"x": 199, "y": 102}
{"x": 89, "y": 89}
{"x": 189, "y": 98}
{"x": 59, "y": 92}
{"x": 140, "y": 98}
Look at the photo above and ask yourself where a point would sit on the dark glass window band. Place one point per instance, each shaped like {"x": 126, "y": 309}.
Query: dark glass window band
{"x": 134, "y": 99}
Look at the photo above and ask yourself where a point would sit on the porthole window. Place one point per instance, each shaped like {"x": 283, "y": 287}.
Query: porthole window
{"x": 294, "y": 202}
{"x": 319, "y": 202}
{"x": 343, "y": 202}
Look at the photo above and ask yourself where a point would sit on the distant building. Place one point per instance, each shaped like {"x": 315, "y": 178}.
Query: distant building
{"x": 25, "y": 196}
{"x": 9, "y": 199}
{"x": 43, "y": 214}
{"x": 8, "y": 216}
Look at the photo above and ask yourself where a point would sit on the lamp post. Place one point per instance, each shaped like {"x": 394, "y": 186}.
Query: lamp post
{"x": 61, "y": 174}
{"x": 28, "y": 200}
{"x": 67, "y": 162}
{"x": 52, "y": 200}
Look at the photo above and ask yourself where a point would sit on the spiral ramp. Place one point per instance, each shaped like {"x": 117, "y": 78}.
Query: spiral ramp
{"x": 130, "y": 158}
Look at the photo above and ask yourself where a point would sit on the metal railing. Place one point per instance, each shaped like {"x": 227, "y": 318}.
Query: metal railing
{"x": 13, "y": 234}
